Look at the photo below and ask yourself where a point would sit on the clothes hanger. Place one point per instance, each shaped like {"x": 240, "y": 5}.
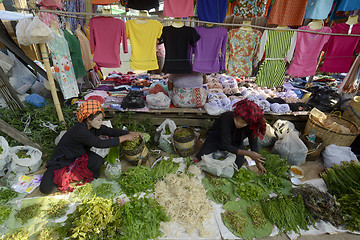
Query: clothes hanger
{"x": 282, "y": 27}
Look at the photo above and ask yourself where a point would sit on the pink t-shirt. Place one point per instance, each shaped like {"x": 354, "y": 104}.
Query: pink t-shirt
{"x": 106, "y": 34}
{"x": 178, "y": 9}
{"x": 307, "y": 50}
{"x": 340, "y": 49}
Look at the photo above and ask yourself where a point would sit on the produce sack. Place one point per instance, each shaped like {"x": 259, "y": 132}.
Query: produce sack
{"x": 269, "y": 138}
{"x": 113, "y": 170}
{"x": 292, "y": 148}
{"x": 39, "y": 32}
{"x": 25, "y": 159}
{"x": 36, "y": 100}
{"x": 158, "y": 100}
{"x": 221, "y": 168}
{"x": 282, "y": 127}
{"x": 4, "y": 155}
{"x": 165, "y": 132}
{"x": 334, "y": 154}
{"x": 21, "y": 27}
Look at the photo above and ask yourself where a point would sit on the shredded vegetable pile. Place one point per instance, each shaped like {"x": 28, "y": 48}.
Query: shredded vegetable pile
{"x": 185, "y": 201}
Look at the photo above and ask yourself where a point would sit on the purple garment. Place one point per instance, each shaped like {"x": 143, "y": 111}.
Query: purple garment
{"x": 207, "y": 49}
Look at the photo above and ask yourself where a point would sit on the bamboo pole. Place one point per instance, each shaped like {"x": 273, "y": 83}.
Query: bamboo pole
{"x": 45, "y": 57}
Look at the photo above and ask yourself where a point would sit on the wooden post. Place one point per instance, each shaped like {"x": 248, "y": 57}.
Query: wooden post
{"x": 45, "y": 57}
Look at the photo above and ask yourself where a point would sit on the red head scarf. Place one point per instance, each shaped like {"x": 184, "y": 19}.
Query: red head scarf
{"x": 253, "y": 115}
{"x": 88, "y": 108}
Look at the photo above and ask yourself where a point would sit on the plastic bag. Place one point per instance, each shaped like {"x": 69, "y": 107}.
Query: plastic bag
{"x": 133, "y": 100}
{"x": 270, "y": 137}
{"x": 25, "y": 165}
{"x": 158, "y": 100}
{"x": 36, "y": 100}
{"x": 113, "y": 170}
{"x": 213, "y": 110}
{"x": 291, "y": 147}
{"x": 21, "y": 27}
{"x": 282, "y": 127}
{"x": 102, "y": 151}
{"x": 221, "y": 168}
{"x": 4, "y": 155}
{"x": 39, "y": 32}
{"x": 165, "y": 139}
{"x": 334, "y": 154}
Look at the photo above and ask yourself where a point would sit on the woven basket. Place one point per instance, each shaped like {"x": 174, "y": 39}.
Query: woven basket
{"x": 352, "y": 112}
{"x": 184, "y": 145}
{"x": 314, "y": 149}
{"x": 333, "y": 137}
{"x": 138, "y": 155}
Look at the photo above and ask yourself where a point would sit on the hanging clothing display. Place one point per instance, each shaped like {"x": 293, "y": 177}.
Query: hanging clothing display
{"x": 242, "y": 47}
{"x": 307, "y": 50}
{"x": 143, "y": 4}
{"x": 75, "y": 53}
{"x": 206, "y": 50}
{"x": 178, "y": 9}
{"x": 340, "y": 49}
{"x": 143, "y": 38}
{"x": 279, "y": 46}
{"x": 289, "y": 13}
{"x": 250, "y": 8}
{"x": 212, "y": 10}
{"x": 318, "y": 9}
{"x": 103, "y": 2}
{"x": 348, "y": 5}
{"x": 75, "y": 6}
{"x": 106, "y": 34}
{"x": 63, "y": 67}
{"x": 85, "y": 50}
{"x": 177, "y": 43}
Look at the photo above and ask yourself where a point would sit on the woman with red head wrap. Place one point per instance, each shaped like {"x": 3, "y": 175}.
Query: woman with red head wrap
{"x": 231, "y": 128}
{"x": 72, "y": 153}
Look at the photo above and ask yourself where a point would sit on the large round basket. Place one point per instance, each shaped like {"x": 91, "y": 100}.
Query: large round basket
{"x": 352, "y": 111}
{"x": 138, "y": 155}
{"x": 330, "y": 136}
{"x": 314, "y": 149}
{"x": 184, "y": 141}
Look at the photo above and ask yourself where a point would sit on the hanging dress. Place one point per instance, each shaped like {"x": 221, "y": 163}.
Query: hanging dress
{"x": 63, "y": 67}
{"x": 272, "y": 70}
{"x": 285, "y": 12}
{"x": 85, "y": 50}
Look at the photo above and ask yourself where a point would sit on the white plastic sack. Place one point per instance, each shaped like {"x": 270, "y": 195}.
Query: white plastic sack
{"x": 291, "y": 147}
{"x": 39, "y": 32}
{"x": 213, "y": 110}
{"x": 113, "y": 170}
{"x": 102, "y": 151}
{"x": 165, "y": 140}
{"x": 4, "y": 155}
{"x": 25, "y": 165}
{"x": 334, "y": 154}
{"x": 269, "y": 138}
{"x": 21, "y": 31}
{"x": 158, "y": 100}
{"x": 221, "y": 168}
{"x": 282, "y": 127}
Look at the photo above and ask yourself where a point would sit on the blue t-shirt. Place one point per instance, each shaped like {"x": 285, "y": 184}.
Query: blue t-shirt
{"x": 318, "y": 9}
{"x": 212, "y": 10}
{"x": 348, "y": 5}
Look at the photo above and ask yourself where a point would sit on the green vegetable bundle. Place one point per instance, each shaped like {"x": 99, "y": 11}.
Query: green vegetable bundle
{"x": 237, "y": 221}
{"x": 104, "y": 189}
{"x": 4, "y": 213}
{"x": 27, "y": 213}
{"x": 321, "y": 205}
{"x": 6, "y": 195}
{"x": 57, "y": 209}
{"x": 350, "y": 207}
{"x": 217, "y": 181}
{"x": 272, "y": 182}
{"x": 20, "y": 234}
{"x": 136, "y": 179}
{"x": 183, "y": 132}
{"x": 244, "y": 175}
{"x": 48, "y": 233}
{"x": 257, "y": 216}
{"x": 249, "y": 191}
{"x": 342, "y": 179}
{"x": 163, "y": 168}
{"x": 220, "y": 196}
{"x": 288, "y": 213}
{"x": 275, "y": 164}
{"x": 129, "y": 145}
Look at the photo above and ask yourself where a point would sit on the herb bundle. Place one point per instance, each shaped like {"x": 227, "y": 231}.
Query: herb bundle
{"x": 6, "y": 195}
{"x": 4, "y": 213}
{"x": 272, "y": 182}
{"x": 220, "y": 196}
{"x": 21, "y": 234}
{"x": 275, "y": 164}
{"x": 129, "y": 145}
{"x": 136, "y": 179}
{"x": 237, "y": 221}
{"x": 249, "y": 191}
{"x": 244, "y": 175}
{"x": 217, "y": 181}
{"x": 104, "y": 189}
{"x": 163, "y": 168}
{"x": 350, "y": 207}
{"x": 57, "y": 209}
{"x": 257, "y": 216}
{"x": 27, "y": 213}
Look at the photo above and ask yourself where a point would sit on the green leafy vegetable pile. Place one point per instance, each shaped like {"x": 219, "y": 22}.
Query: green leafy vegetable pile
{"x": 27, "y": 213}
{"x": 275, "y": 164}
{"x": 104, "y": 189}
{"x": 163, "y": 168}
{"x": 6, "y": 195}
{"x": 21, "y": 234}
{"x": 350, "y": 207}
{"x": 244, "y": 175}
{"x": 249, "y": 191}
{"x": 4, "y": 213}
{"x": 257, "y": 216}
{"x": 237, "y": 221}
{"x": 136, "y": 179}
{"x": 57, "y": 209}
{"x": 272, "y": 182}
{"x": 288, "y": 213}
{"x": 129, "y": 145}
{"x": 321, "y": 205}
{"x": 220, "y": 195}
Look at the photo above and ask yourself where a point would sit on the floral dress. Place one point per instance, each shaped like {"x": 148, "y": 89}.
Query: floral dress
{"x": 242, "y": 47}
{"x": 63, "y": 67}
{"x": 250, "y": 8}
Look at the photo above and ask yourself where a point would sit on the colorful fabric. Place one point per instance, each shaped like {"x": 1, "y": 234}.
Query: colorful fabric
{"x": 74, "y": 172}
{"x": 242, "y": 47}
{"x": 250, "y": 8}
{"x": 143, "y": 38}
{"x": 272, "y": 70}
{"x": 308, "y": 47}
{"x": 318, "y": 9}
{"x": 85, "y": 50}
{"x": 188, "y": 97}
{"x": 340, "y": 49}
{"x": 212, "y": 10}
{"x": 63, "y": 67}
{"x": 178, "y": 9}
{"x": 348, "y": 5}
{"x": 88, "y": 108}
{"x": 290, "y": 13}
{"x": 75, "y": 53}
{"x": 253, "y": 115}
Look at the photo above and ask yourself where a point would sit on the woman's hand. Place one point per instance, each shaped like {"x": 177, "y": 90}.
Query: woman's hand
{"x": 255, "y": 156}
{"x": 136, "y": 134}
{"x": 130, "y": 136}
{"x": 261, "y": 168}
